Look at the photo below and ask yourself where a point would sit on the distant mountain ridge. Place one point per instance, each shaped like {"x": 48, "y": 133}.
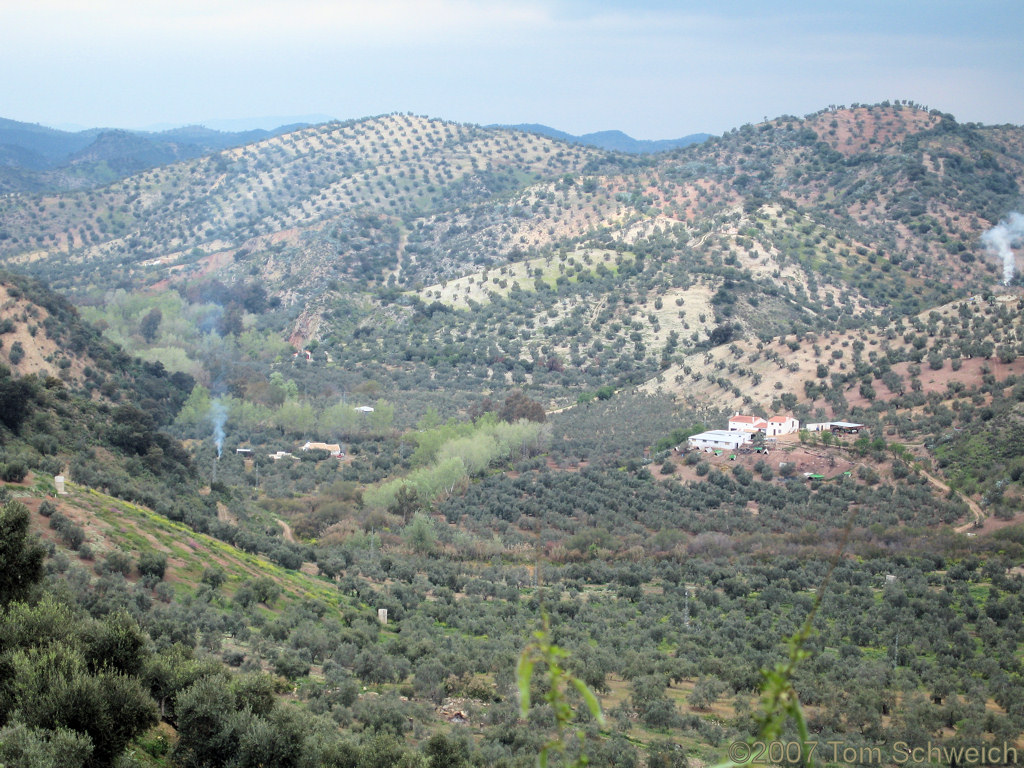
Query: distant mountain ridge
{"x": 614, "y": 141}
{"x": 35, "y": 157}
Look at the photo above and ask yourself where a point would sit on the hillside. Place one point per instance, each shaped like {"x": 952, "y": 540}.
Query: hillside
{"x": 670, "y": 597}
{"x": 506, "y": 336}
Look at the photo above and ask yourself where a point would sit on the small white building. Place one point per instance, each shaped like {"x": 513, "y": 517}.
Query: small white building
{"x": 332, "y": 448}
{"x": 781, "y": 425}
{"x": 718, "y": 439}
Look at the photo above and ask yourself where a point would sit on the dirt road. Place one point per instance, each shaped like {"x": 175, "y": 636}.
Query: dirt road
{"x": 979, "y": 515}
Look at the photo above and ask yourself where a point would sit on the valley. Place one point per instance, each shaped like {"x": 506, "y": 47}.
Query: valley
{"x": 508, "y": 338}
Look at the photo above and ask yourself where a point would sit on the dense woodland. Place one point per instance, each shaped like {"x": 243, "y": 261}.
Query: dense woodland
{"x": 509, "y": 337}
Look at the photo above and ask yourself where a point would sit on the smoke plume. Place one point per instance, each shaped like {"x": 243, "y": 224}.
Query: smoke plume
{"x": 1000, "y": 240}
{"x": 219, "y": 416}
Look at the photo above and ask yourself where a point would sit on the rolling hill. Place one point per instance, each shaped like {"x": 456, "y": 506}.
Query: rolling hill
{"x": 397, "y": 244}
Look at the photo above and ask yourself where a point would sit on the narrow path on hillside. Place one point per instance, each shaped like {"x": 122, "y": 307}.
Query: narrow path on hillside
{"x": 698, "y": 242}
{"x": 403, "y": 240}
{"x": 560, "y": 410}
{"x": 979, "y": 515}
{"x": 289, "y": 535}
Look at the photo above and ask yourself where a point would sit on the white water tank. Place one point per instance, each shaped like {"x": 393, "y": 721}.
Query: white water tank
{"x": 58, "y": 481}
{"x": 382, "y": 615}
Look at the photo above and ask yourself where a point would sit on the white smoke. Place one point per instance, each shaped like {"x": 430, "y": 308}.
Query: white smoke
{"x": 219, "y": 416}
{"x": 1001, "y": 239}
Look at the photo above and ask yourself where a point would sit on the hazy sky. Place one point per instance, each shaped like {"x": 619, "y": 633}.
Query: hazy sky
{"x": 652, "y": 68}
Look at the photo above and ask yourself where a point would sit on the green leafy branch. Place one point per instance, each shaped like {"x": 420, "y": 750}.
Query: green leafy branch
{"x": 558, "y": 682}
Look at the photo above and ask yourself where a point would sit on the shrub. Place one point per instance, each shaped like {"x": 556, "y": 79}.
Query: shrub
{"x": 290, "y": 665}
{"x": 152, "y": 564}
{"x": 116, "y": 562}
{"x": 163, "y": 592}
{"x": 72, "y": 535}
{"x": 266, "y": 590}
{"x": 14, "y": 472}
{"x": 214, "y": 576}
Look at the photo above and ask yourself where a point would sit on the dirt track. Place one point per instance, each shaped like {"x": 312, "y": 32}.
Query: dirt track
{"x": 979, "y": 516}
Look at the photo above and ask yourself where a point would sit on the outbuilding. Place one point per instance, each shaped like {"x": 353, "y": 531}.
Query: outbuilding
{"x": 718, "y": 439}
{"x": 836, "y": 427}
{"x": 845, "y": 427}
{"x": 332, "y": 448}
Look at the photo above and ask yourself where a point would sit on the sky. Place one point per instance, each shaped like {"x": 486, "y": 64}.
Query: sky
{"x": 652, "y": 68}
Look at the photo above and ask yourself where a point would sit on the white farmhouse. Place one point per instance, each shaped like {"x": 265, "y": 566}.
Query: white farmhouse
{"x": 741, "y": 423}
{"x": 781, "y": 425}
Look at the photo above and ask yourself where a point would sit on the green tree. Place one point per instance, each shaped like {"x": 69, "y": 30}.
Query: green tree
{"x": 405, "y": 503}
{"x": 206, "y": 726}
{"x": 195, "y": 412}
{"x": 665, "y": 754}
{"x": 266, "y": 590}
{"x": 383, "y": 417}
{"x": 153, "y": 564}
{"x": 150, "y": 324}
{"x": 339, "y": 419}
{"x": 21, "y": 555}
{"x": 444, "y": 751}
{"x": 275, "y": 740}
{"x": 295, "y": 417}
{"x": 41, "y": 748}
{"x": 116, "y": 643}
{"x": 53, "y": 689}
{"x": 131, "y": 429}
{"x": 16, "y": 399}
{"x": 419, "y": 535}
{"x": 254, "y": 691}
{"x": 706, "y": 692}
{"x": 214, "y": 576}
